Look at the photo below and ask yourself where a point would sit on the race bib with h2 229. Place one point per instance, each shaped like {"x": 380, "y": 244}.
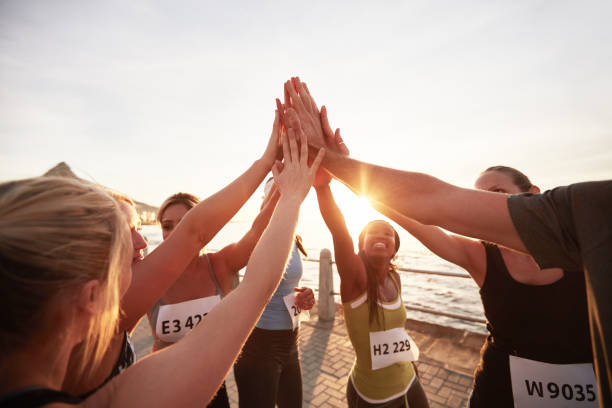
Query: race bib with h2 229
{"x": 174, "y": 321}
{"x": 297, "y": 314}
{"x": 392, "y": 346}
{"x": 538, "y": 384}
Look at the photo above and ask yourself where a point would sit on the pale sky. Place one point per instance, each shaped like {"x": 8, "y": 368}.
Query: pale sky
{"x": 155, "y": 97}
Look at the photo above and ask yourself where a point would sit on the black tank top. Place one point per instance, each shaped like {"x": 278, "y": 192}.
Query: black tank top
{"x": 34, "y": 397}
{"x": 546, "y": 323}
{"x": 126, "y": 358}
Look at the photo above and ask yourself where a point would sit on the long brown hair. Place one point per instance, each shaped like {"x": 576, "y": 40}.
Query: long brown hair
{"x": 372, "y": 283}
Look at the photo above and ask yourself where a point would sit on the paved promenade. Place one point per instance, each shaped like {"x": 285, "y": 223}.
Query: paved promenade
{"x": 447, "y": 359}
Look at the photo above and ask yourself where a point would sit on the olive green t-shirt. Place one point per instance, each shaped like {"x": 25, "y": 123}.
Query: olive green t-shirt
{"x": 571, "y": 228}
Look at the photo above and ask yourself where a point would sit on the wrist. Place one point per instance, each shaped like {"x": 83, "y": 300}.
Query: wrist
{"x": 264, "y": 163}
{"x": 290, "y": 200}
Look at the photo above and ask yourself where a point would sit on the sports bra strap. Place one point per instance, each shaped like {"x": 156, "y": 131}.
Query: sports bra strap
{"x": 214, "y": 279}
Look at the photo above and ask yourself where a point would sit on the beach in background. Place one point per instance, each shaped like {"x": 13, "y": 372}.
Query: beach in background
{"x": 445, "y": 294}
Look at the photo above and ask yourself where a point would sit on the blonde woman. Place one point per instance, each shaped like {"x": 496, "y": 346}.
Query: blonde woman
{"x": 65, "y": 260}
{"x": 153, "y": 275}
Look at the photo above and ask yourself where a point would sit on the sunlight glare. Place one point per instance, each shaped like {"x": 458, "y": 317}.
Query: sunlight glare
{"x": 356, "y": 209}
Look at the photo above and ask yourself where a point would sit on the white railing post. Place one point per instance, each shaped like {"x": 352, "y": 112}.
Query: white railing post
{"x": 327, "y": 306}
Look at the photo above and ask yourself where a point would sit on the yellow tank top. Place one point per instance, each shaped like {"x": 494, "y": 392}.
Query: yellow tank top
{"x": 384, "y": 384}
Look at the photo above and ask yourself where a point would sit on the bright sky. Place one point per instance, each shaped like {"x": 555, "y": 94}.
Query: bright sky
{"x": 155, "y": 97}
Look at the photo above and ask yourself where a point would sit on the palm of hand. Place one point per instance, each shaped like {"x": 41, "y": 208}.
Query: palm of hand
{"x": 294, "y": 179}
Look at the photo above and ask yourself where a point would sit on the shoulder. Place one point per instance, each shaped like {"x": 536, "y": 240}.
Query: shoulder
{"x": 552, "y": 224}
{"x": 561, "y": 204}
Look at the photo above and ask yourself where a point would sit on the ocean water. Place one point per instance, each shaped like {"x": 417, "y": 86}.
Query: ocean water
{"x": 446, "y": 294}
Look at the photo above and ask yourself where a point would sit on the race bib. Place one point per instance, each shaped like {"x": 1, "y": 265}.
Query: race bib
{"x": 390, "y": 347}
{"x": 537, "y": 384}
{"x": 297, "y": 315}
{"x": 176, "y": 320}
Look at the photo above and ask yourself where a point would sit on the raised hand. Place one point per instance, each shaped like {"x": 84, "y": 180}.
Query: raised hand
{"x": 294, "y": 177}
{"x": 307, "y": 112}
{"x": 273, "y": 150}
{"x": 334, "y": 140}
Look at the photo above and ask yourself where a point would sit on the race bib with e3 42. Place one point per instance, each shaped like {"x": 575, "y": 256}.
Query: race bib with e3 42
{"x": 174, "y": 321}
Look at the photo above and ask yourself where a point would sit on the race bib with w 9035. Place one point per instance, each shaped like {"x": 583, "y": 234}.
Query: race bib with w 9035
{"x": 538, "y": 384}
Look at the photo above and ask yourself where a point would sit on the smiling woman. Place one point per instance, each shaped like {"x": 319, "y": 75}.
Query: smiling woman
{"x": 373, "y": 308}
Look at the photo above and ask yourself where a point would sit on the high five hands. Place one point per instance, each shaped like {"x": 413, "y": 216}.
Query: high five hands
{"x": 293, "y": 177}
{"x": 301, "y": 114}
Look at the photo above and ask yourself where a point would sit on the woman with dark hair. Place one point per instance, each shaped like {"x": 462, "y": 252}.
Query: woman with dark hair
{"x": 567, "y": 227}
{"x": 537, "y": 319}
{"x": 205, "y": 281}
{"x": 370, "y": 289}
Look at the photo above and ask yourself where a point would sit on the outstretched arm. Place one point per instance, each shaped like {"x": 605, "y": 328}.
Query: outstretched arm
{"x": 157, "y": 272}
{"x": 428, "y": 200}
{"x": 350, "y": 268}
{"x": 190, "y": 372}
{"x": 464, "y": 252}
{"x": 473, "y": 213}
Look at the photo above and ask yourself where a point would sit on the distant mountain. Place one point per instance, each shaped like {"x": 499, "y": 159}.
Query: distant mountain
{"x": 61, "y": 170}
{"x": 146, "y": 211}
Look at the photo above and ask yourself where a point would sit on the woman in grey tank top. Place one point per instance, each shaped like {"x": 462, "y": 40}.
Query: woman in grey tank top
{"x": 207, "y": 279}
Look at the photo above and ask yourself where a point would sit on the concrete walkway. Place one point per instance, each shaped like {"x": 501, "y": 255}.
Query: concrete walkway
{"x": 448, "y": 358}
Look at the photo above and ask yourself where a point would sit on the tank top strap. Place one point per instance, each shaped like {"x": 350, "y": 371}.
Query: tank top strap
{"x": 392, "y": 275}
{"x": 214, "y": 279}
{"x": 497, "y": 272}
{"x": 154, "y": 313}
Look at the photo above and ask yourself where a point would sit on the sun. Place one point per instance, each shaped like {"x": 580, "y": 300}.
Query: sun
{"x": 356, "y": 209}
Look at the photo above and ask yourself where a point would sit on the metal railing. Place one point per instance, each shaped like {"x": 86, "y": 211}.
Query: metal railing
{"x": 414, "y": 270}
{"x": 326, "y": 289}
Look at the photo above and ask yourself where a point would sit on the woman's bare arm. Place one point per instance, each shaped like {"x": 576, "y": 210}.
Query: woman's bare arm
{"x": 350, "y": 268}
{"x": 426, "y": 199}
{"x": 464, "y": 252}
{"x": 156, "y": 273}
{"x": 189, "y": 373}
{"x": 236, "y": 255}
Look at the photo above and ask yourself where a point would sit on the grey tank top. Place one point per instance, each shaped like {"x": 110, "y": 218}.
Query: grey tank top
{"x": 155, "y": 309}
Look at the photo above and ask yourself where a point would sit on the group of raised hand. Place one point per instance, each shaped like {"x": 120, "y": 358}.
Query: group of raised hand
{"x": 70, "y": 264}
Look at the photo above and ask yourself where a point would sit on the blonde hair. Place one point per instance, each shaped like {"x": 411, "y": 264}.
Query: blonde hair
{"x": 120, "y": 196}
{"x": 57, "y": 234}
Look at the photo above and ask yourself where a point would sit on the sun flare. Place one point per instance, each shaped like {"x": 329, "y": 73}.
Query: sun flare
{"x": 356, "y": 209}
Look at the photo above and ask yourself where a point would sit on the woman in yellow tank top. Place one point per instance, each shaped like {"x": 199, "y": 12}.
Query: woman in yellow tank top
{"x": 370, "y": 289}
